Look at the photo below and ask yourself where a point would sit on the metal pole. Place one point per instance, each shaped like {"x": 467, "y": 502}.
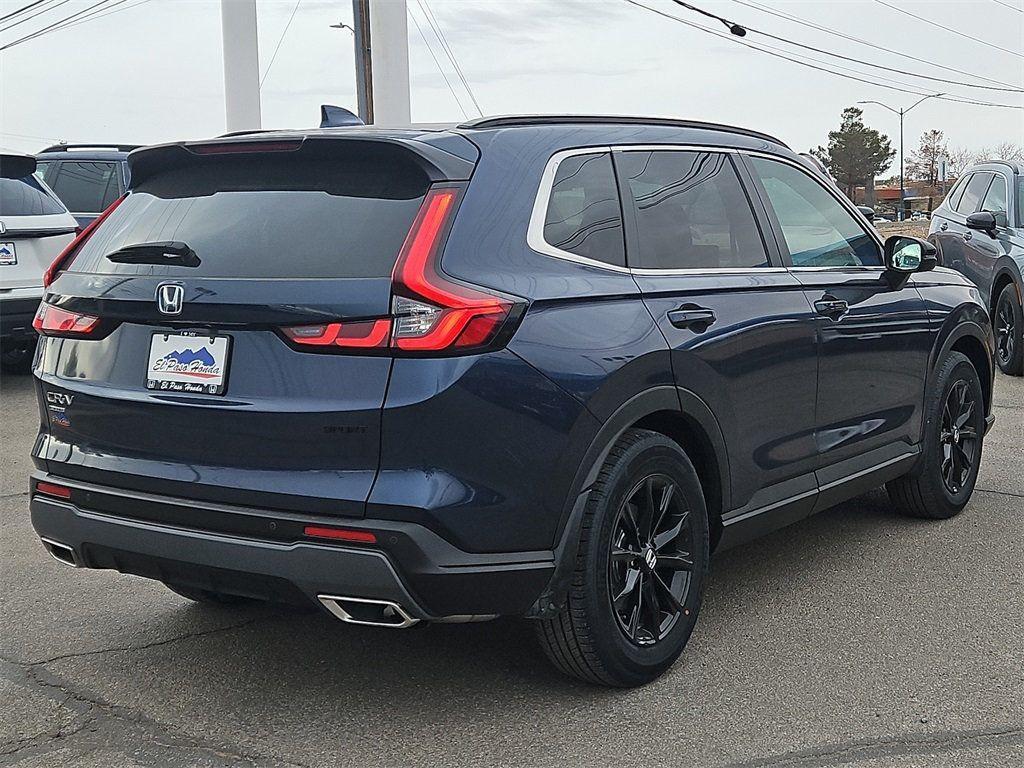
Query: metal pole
{"x": 389, "y": 49}
{"x": 902, "y": 193}
{"x": 241, "y": 65}
{"x": 364, "y": 63}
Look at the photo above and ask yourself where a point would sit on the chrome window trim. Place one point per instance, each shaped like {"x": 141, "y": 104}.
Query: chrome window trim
{"x": 535, "y": 231}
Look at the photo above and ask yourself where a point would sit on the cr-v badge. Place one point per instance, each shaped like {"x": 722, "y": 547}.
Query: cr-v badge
{"x": 169, "y": 298}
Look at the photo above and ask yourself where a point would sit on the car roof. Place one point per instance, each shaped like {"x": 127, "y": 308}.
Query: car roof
{"x": 997, "y": 165}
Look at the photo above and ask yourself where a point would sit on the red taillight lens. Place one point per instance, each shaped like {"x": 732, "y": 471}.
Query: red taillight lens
{"x": 430, "y": 312}
{"x": 365, "y": 334}
{"x": 242, "y": 147}
{"x": 62, "y": 260}
{"x": 52, "y": 489}
{"x": 339, "y": 534}
{"x": 54, "y": 321}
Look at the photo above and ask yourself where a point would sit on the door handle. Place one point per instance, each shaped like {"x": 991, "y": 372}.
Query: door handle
{"x": 831, "y": 307}
{"x": 968, "y": 235}
{"x": 692, "y": 316}
{"x": 943, "y": 226}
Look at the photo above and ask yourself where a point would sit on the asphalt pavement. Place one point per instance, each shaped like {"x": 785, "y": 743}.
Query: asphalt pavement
{"x": 854, "y": 638}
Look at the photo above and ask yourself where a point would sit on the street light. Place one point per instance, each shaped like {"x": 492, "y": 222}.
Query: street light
{"x": 901, "y": 112}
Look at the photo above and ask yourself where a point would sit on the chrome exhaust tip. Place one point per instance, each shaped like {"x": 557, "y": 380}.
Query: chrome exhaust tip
{"x": 62, "y": 553}
{"x": 371, "y": 613}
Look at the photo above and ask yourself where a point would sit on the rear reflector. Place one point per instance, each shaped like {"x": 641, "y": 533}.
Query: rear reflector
{"x": 52, "y": 489}
{"x": 54, "y": 321}
{"x": 339, "y": 534}
{"x": 64, "y": 258}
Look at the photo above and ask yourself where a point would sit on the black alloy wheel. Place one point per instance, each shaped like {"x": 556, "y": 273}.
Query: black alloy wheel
{"x": 650, "y": 564}
{"x": 958, "y": 436}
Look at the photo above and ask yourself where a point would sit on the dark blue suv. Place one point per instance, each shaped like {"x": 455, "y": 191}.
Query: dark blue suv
{"x": 527, "y": 366}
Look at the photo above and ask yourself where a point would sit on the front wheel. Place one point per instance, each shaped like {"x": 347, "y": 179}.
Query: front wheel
{"x": 640, "y": 569}
{"x": 941, "y": 484}
{"x": 1009, "y": 328}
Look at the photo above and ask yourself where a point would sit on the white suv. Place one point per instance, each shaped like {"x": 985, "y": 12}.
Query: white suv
{"x": 34, "y": 228}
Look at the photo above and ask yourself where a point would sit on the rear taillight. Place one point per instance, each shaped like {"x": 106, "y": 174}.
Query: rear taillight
{"x": 430, "y": 312}
{"x": 64, "y": 259}
{"x": 54, "y": 321}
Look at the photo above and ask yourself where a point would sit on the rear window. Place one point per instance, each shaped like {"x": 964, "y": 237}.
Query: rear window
{"x": 86, "y": 186}
{"x": 271, "y": 217}
{"x": 26, "y": 197}
{"x": 583, "y": 216}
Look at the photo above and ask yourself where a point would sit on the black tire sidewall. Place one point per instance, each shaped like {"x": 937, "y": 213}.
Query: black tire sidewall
{"x": 625, "y": 659}
{"x": 1015, "y": 365}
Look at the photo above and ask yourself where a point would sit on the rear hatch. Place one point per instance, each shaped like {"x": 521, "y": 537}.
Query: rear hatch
{"x": 34, "y": 228}
{"x": 188, "y": 385}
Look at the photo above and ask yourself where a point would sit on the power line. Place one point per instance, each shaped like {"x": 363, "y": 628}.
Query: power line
{"x": 796, "y": 19}
{"x": 949, "y": 29}
{"x": 440, "y": 69}
{"x": 12, "y": 25}
{"x": 1007, "y": 5}
{"x": 23, "y": 8}
{"x": 802, "y": 62}
{"x": 71, "y": 21}
{"x": 279, "y": 41}
{"x": 434, "y": 25}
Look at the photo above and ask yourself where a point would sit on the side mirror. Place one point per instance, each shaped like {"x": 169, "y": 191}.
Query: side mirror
{"x": 905, "y": 255}
{"x": 984, "y": 221}
{"x": 869, "y": 213}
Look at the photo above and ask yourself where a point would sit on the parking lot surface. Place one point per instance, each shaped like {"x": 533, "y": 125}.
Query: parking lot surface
{"x": 855, "y": 638}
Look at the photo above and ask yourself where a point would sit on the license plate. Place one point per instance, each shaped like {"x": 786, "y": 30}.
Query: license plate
{"x": 188, "y": 362}
{"x": 8, "y": 255}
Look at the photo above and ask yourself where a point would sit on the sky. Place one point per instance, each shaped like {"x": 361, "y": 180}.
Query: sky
{"x": 152, "y": 71}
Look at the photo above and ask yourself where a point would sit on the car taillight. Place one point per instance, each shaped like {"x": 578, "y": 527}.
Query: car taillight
{"x": 54, "y": 321}
{"x": 430, "y": 312}
{"x": 64, "y": 258}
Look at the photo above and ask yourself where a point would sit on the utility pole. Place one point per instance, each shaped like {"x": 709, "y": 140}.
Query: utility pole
{"x": 902, "y": 112}
{"x": 382, "y": 61}
{"x": 241, "y": 65}
{"x": 364, "y": 65}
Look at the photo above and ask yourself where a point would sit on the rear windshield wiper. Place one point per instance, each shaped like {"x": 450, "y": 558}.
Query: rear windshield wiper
{"x": 172, "y": 253}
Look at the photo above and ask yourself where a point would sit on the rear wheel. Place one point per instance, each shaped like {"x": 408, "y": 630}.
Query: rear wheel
{"x": 207, "y": 596}
{"x": 943, "y": 481}
{"x": 1009, "y": 328}
{"x": 640, "y": 568}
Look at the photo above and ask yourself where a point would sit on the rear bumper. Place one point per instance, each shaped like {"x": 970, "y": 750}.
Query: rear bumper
{"x": 16, "y": 319}
{"x": 410, "y": 566}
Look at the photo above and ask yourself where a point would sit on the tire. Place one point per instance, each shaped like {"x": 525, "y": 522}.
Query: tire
{"x": 206, "y": 596}
{"x": 17, "y": 359}
{"x": 1009, "y": 329}
{"x": 604, "y": 645}
{"x": 954, "y": 434}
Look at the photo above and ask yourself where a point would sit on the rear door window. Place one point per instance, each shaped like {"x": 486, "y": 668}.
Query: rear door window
{"x": 974, "y": 193}
{"x": 271, "y": 218}
{"x": 26, "y": 197}
{"x": 583, "y": 216}
{"x": 86, "y": 186}
{"x": 691, "y": 212}
{"x": 819, "y": 231}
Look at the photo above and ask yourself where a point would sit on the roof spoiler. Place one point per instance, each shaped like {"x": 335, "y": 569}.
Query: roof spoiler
{"x": 16, "y": 166}
{"x": 437, "y": 164}
{"x": 114, "y": 147}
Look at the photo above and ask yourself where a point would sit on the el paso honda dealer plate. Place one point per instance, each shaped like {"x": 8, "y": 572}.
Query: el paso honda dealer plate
{"x": 188, "y": 362}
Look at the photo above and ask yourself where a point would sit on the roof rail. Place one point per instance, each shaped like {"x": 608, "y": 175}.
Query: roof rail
{"x": 1013, "y": 166}
{"x": 511, "y": 121}
{"x": 66, "y": 147}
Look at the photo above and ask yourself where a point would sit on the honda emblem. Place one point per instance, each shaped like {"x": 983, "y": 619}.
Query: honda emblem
{"x": 169, "y": 298}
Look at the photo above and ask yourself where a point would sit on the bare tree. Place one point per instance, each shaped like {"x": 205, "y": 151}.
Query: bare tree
{"x": 924, "y": 161}
{"x": 959, "y": 160}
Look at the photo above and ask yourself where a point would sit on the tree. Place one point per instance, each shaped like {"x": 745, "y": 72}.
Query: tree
{"x": 923, "y": 163}
{"x": 960, "y": 159}
{"x": 855, "y": 153}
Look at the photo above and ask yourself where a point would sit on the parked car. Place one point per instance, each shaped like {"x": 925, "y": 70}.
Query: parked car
{"x": 34, "y": 228}
{"x": 87, "y": 177}
{"x": 526, "y": 366}
{"x": 979, "y": 231}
